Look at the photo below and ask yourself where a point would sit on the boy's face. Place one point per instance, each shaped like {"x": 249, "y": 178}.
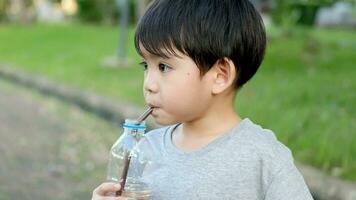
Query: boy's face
{"x": 174, "y": 88}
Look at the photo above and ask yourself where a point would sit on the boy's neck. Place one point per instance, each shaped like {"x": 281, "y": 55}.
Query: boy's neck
{"x": 211, "y": 125}
{"x": 214, "y": 123}
{"x": 218, "y": 118}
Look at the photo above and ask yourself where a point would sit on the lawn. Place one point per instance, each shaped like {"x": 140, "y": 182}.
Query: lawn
{"x": 304, "y": 91}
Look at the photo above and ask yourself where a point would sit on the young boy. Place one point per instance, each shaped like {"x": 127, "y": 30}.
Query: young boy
{"x": 196, "y": 55}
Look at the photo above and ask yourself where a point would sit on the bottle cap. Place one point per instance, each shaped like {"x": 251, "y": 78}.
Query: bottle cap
{"x": 132, "y": 124}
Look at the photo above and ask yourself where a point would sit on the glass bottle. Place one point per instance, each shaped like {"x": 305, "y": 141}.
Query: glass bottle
{"x": 127, "y": 162}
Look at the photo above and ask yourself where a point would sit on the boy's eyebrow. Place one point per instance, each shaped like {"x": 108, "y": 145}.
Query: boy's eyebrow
{"x": 153, "y": 56}
{"x": 156, "y": 54}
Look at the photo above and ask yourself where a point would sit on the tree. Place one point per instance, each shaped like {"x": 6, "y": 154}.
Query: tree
{"x": 4, "y": 5}
{"x": 141, "y": 7}
{"x": 291, "y": 12}
{"x": 97, "y": 11}
{"x": 123, "y": 6}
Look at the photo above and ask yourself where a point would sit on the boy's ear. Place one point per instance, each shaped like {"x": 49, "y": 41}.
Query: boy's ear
{"x": 224, "y": 75}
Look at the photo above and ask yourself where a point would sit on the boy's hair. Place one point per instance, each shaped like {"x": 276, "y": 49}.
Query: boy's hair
{"x": 207, "y": 31}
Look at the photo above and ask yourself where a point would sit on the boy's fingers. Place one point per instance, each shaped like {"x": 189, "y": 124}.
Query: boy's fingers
{"x": 113, "y": 198}
{"x": 110, "y": 198}
{"x": 104, "y": 188}
{"x": 120, "y": 198}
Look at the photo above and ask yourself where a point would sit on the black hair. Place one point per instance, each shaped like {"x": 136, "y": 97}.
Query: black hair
{"x": 207, "y": 31}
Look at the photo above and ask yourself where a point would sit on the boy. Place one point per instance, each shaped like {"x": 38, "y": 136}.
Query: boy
{"x": 196, "y": 55}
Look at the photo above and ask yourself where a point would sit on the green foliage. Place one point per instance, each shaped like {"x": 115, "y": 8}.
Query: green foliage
{"x": 292, "y": 12}
{"x": 3, "y": 7}
{"x": 103, "y": 11}
{"x": 97, "y": 11}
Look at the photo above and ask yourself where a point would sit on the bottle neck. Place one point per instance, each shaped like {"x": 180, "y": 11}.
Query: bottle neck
{"x": 133, "y": 129}
{"x": 137, "y": 133}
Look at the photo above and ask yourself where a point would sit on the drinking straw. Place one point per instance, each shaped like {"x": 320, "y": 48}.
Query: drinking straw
{"x": 127, "y": 155}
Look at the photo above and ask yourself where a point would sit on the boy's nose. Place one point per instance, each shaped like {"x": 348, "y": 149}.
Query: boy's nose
{"x": 150, "y": 85}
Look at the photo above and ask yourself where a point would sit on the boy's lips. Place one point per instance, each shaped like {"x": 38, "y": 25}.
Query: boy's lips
{"x": 154, "y": 109}
{"x": 152, "y": 105}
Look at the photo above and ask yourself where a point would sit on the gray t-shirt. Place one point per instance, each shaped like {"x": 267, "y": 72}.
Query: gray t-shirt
{"x": 246, "y": 163}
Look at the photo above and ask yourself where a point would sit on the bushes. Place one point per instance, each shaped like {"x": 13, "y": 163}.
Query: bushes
{"x": 97, "y": 11}
{"x": 297, "y": 12}
{"x": 3, "y": 6}
{"x": 102, "y": 11}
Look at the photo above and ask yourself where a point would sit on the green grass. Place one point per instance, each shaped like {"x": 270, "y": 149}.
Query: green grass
{"x": 71, "y": 55}
{"x": 306, "y": 94}
{"x": 304, "y": 91}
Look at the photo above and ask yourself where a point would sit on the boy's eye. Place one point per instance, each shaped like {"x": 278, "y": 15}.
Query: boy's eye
{"x": 144, "y": 64}
{"x": 164, "y": 68}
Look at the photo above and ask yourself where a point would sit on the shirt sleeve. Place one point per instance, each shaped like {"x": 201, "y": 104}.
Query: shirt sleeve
{"x": 288, "y": 183}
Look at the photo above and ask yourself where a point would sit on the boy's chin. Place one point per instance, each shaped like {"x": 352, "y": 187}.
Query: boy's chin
{"x": 165, "y": 122}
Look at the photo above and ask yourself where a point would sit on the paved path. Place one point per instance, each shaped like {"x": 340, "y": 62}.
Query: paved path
{"x": 49, "y": 150}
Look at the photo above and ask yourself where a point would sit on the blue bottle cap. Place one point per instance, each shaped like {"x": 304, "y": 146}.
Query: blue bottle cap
{"x": 131, "y": 124}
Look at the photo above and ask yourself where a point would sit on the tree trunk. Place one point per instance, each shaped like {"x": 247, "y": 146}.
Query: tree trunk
{"x": 141, "y": 6}
{"x": 123, "y": 26}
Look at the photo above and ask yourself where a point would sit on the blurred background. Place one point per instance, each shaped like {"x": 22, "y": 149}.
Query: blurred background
{"x": 305, "y": 90}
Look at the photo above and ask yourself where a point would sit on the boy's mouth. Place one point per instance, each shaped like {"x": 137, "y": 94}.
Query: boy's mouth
{"x": 152, "y": 105}
{"x": 154, "y": 108}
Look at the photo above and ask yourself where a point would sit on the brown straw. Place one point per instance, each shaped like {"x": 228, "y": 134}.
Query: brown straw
{"x": 144, "y": 116}
{"x": 127, "y": 155}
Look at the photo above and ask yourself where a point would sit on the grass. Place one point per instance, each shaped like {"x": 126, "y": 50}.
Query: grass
{"x": 304, "y": 91}
{"x": 71, "y": 55}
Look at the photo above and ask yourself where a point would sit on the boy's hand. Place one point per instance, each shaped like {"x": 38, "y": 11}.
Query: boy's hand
{"x": 102, "y": 191}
